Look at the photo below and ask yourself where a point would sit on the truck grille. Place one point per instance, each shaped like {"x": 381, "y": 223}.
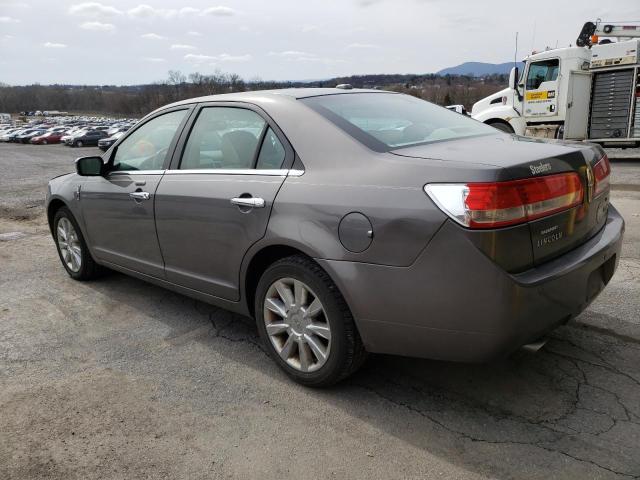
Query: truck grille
{"x": 610, "y": 103}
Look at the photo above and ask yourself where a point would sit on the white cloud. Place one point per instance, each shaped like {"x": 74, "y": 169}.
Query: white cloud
{"x": 98, "y": 26}
{"x": 362, "y": 45}
{"x": 197, "y": 59}
{"x": 154, "y": 59}
{"x": 179, "y": 46}
{"x": 225, "y": 57}
{"x": 152, "y": 36}
{"x": 298, "y": 56}
{"x": 194, "y": 34}
{"x": 142, "y": 11}
{"x": 147, "y": 12}
{"x": 291, "y": 54}
{"x": 93, "y": 9}
{"x": 188, "y": 11}
{"x": 213, "y": 59}
{"x": 54, "y": 45}
{"x": 219, "y": 11}
{"x": 9, "y": 20}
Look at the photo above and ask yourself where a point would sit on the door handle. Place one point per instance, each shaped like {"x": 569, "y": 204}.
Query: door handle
{"x": 251, "y": 202}
{"x": 139, "y": 195}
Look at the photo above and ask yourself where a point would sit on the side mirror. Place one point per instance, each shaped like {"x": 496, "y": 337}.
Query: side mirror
{"x": 89, "y": 166}
{"x": 513, "y": 78}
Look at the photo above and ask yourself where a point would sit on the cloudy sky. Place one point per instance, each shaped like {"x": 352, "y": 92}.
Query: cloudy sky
{"x": 126, "y": 42}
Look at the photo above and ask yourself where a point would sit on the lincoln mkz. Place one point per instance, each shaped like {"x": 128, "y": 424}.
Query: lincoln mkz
{"x": 346, "y": 222}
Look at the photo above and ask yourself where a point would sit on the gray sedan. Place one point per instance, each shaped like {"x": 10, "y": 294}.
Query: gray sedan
{"x": 347, "y": 222}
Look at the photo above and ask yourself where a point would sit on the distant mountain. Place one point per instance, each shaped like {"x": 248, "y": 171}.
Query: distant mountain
{"x": 479, "y": 69}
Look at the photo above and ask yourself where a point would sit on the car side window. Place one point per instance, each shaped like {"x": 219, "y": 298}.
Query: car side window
{"x": 272, "y": 152}
{"x": 539, "y": 72}
{"x": 146, "y": 148}
{"x": 223, "y": 138}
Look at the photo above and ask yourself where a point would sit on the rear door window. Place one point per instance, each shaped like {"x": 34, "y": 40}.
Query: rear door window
{"x": 272, "y": 152}
{"x": 224, "y": 138}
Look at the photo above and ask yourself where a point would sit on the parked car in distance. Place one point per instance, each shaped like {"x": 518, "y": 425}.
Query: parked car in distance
{"x": 5, "y": 136}
{"x": 47, "y": 137}
{"x": 87, "y": 138}
{"x": 70, "y": 133}
{"x": 347, "y": 222}
{"x": 27, "y": 135}
{"x": 105, "y": 143}
{"x": 118, "y": 128}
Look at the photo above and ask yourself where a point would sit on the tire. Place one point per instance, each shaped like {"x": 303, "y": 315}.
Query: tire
{"x": 345, "y": 352}
{"x": 88, "y": 269}
{"x": 44, "y": 142}
{"x": 502, "y": 126}
{"x": 79, "y": 143}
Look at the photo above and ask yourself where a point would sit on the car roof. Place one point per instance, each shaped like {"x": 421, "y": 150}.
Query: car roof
{"x": 277, "y": 94}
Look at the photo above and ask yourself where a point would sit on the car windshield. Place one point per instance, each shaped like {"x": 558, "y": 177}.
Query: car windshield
{"x": 388, "y": 121}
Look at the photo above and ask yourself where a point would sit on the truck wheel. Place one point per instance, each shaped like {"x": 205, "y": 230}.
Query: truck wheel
{"x": 502, "y": 126}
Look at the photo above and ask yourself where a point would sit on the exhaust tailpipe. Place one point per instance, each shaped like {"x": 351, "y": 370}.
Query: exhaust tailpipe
{"x": 533, "y": 347}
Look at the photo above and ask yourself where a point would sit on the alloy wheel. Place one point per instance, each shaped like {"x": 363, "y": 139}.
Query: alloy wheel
{"x": 297, "y": 324}
{"x": 69, "y": 245}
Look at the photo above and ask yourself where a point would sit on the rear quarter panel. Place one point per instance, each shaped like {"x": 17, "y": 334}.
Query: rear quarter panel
{"x": 342, "y": 176}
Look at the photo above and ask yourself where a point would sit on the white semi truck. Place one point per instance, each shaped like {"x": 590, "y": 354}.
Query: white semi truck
{"x": 588, "y": 92}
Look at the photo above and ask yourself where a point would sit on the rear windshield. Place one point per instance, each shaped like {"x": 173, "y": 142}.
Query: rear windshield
{"x": 388, "y": 121}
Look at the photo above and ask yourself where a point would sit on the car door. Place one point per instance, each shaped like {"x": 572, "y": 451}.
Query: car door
{"x": 215, "y": 200}
{"x": 541, "y": 89}
{"x": 118, "y": 207}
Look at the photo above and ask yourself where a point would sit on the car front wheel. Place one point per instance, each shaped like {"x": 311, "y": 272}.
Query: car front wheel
{"x": 306, "y": 324}
{"x": 72, "y": 248}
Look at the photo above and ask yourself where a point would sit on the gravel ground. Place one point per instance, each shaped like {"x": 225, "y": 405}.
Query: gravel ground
{"x": 117, "y": 378}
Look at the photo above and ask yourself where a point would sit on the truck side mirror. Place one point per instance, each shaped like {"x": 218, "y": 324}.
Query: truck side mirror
{"x": 513, "y": 78}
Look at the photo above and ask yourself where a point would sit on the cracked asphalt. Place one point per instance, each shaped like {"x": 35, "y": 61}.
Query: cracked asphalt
{"x": 117, "y": 378}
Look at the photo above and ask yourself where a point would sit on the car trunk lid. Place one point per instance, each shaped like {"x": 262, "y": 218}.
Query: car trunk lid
{"x": 518, "y": 158}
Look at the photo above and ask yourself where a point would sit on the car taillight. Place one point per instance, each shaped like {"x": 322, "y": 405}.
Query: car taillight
{"x": 601, "y": 172}
{"x": 500, "y": 204}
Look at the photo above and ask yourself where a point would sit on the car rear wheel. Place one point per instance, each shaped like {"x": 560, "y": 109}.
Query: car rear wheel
{"x": 72, "y": 248}
{"x": 306, "y": 324}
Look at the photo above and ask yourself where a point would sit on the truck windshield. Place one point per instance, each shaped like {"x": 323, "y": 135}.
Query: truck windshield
{"x": 388, "y": 121}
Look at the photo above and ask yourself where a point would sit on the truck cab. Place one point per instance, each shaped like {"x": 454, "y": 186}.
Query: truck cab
{"x": 590, "y": 92}
{"x": 538, "y": 96}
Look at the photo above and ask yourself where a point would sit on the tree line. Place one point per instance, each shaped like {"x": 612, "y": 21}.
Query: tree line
{"x": 137, "y": 100}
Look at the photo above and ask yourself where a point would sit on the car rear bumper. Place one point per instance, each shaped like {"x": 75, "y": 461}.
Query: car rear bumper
{"x": 454, "y": 303}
